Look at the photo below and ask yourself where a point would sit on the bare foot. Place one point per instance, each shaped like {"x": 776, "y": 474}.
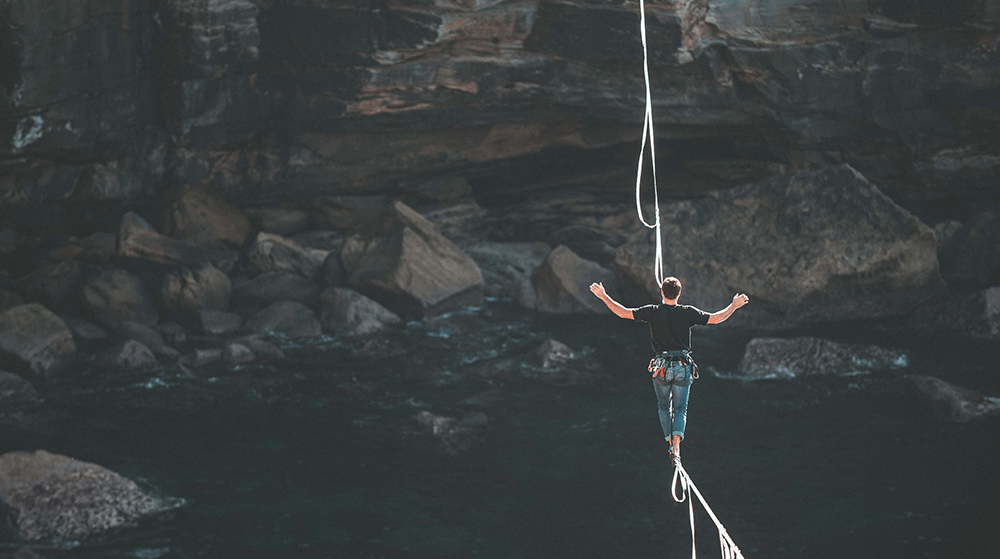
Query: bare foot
{"x": 675, "y": 445}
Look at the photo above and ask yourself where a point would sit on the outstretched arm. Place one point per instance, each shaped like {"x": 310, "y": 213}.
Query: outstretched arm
{"x": 598, "y": 289}
{"x": 739, "y": 300}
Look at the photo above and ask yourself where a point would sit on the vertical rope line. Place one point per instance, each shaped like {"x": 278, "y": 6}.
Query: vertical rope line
{"x": 647, "y": 131}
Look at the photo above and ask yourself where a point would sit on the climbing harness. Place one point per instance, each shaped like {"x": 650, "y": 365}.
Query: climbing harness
{"x": 657, "y": 365}
{"x": 663, "y": 359}
{"x": 647, "y": 127}
{"x": 726, "y": 543}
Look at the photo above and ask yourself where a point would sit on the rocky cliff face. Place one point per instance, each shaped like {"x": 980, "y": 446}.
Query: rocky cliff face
{"x": 108, "y": 100}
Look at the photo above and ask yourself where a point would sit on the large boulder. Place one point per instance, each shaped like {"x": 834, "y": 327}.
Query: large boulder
{"x": 456, "y": 435}
{"x": 561, "y": 284}
{"x": 291, "y": 318}
{"x": 797, "y": 357}
{"x": 53, "y": 499}
{"x": 972, "y": 315}
{"x": 138, "y": 239}
{"x": 185, "y": 292}
{"x": 84, "y": 331}
{"x": 197, "y": 217}
{"x": 254, "y": 294}
{"x": 218, "y": 323}
{"x": 52, "y": 284}
{"x": 345, "y": 311}
{"x": 954, "y": 402}
{"x": 128, "y": 356}
{"x": 553, "y": 353}
{"x": 147, "y": 336}
{"x": 404, "y": 263}
{"x": 116, "y": 295}
{"x": 34, "y": 340}
{"x": 809, "y": 246}
{"x": 273, "y": 253}
{"x": 507, "y": 267}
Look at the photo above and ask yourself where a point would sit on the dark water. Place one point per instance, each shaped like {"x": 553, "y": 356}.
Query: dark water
{"x": 321, "y": 456}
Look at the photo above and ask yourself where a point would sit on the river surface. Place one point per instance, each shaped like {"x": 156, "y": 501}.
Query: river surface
{"x": 320, "y": 455}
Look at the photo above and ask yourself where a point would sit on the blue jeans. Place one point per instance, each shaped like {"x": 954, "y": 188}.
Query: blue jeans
{"x": 672, "y": 399}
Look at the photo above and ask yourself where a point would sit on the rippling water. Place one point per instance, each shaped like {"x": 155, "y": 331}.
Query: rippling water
{"x": 321, "y": 455}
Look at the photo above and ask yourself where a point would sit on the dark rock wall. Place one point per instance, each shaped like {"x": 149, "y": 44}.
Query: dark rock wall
{"x": 108, "y": 103}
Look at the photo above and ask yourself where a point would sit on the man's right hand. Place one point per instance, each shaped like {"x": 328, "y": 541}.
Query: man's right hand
{"x": 739, "y": 300}
{"x": 598, "y": 289}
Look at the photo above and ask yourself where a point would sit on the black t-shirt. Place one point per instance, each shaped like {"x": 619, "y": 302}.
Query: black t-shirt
{"x": 670, "y": 325}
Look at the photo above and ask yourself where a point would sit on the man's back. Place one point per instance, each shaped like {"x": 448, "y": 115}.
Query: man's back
{"x": 670, "y": 325}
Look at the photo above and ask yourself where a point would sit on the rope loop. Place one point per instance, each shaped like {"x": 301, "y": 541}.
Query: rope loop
{"x": 727, "y": 546}
{"x": 647, "y": 132}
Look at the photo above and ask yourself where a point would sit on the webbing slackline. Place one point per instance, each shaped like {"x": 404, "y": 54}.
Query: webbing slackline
{"x": 727, "y": 546}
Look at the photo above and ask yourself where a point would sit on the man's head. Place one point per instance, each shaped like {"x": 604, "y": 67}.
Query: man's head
{"x": 671, "y": 288}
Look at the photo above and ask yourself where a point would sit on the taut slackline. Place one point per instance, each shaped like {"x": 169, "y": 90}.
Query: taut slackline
{"x": 688, "y": 490}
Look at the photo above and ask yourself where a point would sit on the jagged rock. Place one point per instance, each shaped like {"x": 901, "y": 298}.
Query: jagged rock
{"x": 409, "y": 267}
{"x": 345, "y": 311}
{"x": 272, "y": 253}
{"x": 459, "y": 221}
{"x": 147, "y": 336}
{"x": 553, "y": 353}
{"x": 199, "y": 218}
{"x": 456, "y": 435}
{"x": 954, "y": 402}
{"x": 218, "y": 323}
{"x": 84, "y": 331}
{"x": 186, "y": 292}
{"x": 234, "y": 354}
{"x": 138, "y": 239}
{"x": 507, "y": 267}
{"x": 591, "y": 243}
{"x": 279, "y": 221}
{"x": 15, "y": 391}
{"x": 52, "y": 284}
{"x": 9, "y": 300}
{"x": 970, "y": 255}
{"x": 561, "y": 284}
{"x": 53, "y": 499}
{"x": 204, "y": 357}
{"x": 116, "y": 295}
{"x": 34, "y": 340}
{"x": 130, "y": 355}
{"x": 795, "y": 357}
{"x": 253, "y": 295}
{"x": 290, "y": 318}
{"x": 975, "y": 315}
{"x": 260, "y": 347}
{"x": 346, "y": 212}
{"x": 810, "y": 246}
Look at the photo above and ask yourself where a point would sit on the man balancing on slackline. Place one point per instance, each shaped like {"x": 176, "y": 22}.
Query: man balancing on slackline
{"x": 673, "y": 368}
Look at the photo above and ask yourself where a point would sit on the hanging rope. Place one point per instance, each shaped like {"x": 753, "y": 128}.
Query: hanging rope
{"x": 647, "y": 128}
{"x": 726, "y": 543}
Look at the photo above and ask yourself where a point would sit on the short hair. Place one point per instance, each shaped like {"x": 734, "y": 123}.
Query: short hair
{"x": 671, "y": 288}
